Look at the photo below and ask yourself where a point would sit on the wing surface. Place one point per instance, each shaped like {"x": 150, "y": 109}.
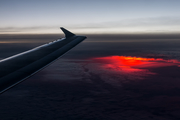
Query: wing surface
{"x": 17, "y": 68}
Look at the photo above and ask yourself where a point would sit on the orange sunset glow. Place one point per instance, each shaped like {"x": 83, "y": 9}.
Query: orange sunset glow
{"x": 128, "y": 64}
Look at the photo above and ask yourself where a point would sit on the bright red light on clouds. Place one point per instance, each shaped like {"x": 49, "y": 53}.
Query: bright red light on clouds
{"x": 128, "y": 64}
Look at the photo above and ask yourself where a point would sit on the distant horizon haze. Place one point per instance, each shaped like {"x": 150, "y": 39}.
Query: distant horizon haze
{"x": 90, "y": 17}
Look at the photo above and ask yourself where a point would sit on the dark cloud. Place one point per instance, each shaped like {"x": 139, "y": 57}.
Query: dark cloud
{"x": 75, "y": 88}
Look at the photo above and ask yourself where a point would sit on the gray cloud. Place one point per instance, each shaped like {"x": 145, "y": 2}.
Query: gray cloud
{"x": 165, "y": 21}
{"x": 162, "y": 23}
{"x": 22, "y": 29}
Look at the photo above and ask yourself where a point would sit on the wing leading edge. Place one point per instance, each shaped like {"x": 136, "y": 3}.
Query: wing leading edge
{"x": 17, "y": 68}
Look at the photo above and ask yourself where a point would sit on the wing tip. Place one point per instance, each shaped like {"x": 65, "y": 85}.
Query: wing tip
{"x": 67, "y": 33}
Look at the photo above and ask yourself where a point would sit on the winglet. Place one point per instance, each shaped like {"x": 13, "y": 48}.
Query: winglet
{"x": 67, "y": 33}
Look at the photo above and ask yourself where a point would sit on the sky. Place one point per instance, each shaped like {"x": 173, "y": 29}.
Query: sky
{"x": 89, "y": 16}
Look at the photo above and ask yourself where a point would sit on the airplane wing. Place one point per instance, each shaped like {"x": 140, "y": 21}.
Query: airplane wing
{"x": 17, "y": 68}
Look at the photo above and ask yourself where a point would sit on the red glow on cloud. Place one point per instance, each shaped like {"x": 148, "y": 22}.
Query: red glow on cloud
{"x": 128, "y": 64}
